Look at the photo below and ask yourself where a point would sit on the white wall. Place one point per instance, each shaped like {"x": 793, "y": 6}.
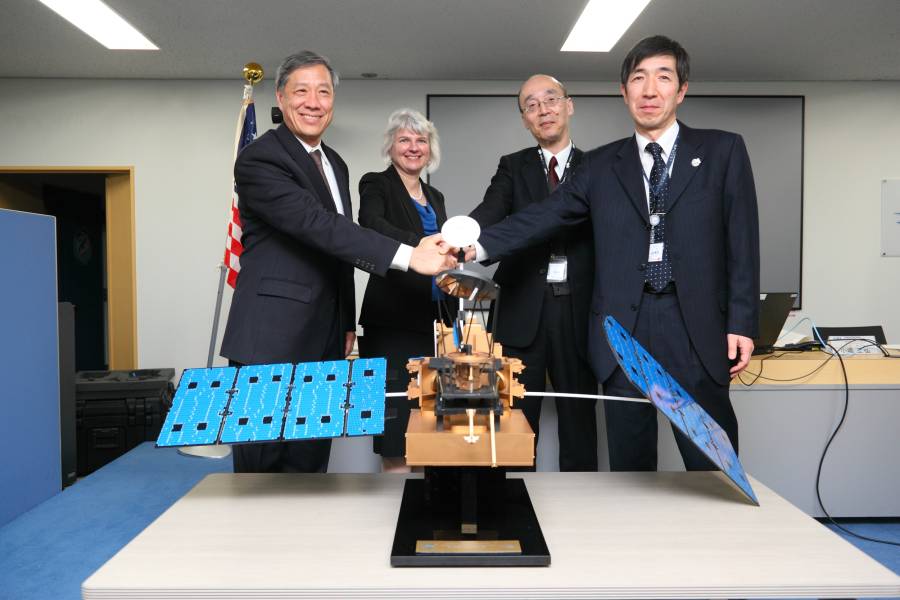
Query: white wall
{"x": 178, "y": 135}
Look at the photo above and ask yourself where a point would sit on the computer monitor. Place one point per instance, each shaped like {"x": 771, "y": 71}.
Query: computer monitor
{"x": 774, "y": 308}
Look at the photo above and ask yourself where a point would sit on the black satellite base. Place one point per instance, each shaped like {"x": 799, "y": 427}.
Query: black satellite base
{"x": 501, "y": 527}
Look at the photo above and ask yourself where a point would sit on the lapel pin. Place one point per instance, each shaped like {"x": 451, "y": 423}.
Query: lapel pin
{"x": 695, "y": 162}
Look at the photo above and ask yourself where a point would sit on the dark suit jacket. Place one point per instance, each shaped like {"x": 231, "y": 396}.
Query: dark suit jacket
{"x": 518, "y": 183}
{"x": 399, "y": 299}
{"x": 712, "y": 231}
{"x": 295, "y": 289}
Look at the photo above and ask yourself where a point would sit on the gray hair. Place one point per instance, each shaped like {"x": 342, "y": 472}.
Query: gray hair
{"x": 407, "y": 118}
{"x": 299, "y": 60}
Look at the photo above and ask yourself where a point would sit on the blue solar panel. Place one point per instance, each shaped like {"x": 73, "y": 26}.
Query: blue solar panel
{"x": 676, "y": 404}
{"x": 197, "y": 407}
{"x": 623, "y": 349}
{"x": 256, "y": 412}
{"x": 317, "y": 401}
{"x": 366, "y": 413}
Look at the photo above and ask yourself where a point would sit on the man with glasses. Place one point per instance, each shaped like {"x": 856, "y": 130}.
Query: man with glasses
{"x": 547, "y": 287}
{"x": 674, "y": 215}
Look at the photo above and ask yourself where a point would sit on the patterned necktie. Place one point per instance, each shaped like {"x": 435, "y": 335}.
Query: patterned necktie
{"x": 317, "y": 158}
{"x": 659, "y": 273}
{"x": 554, "y": 178}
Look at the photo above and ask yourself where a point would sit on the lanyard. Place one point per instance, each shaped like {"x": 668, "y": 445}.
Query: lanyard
{"x": 654, "y": 190}
{"x": 565, "y": 169}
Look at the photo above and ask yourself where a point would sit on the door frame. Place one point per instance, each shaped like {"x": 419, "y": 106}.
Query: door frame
{"x": 121, "y": 271}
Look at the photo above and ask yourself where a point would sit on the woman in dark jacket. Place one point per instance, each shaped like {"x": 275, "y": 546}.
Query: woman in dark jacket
{"x": 399, "y": 310}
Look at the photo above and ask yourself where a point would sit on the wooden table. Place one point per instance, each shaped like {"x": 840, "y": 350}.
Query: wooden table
{"x": 611, "y": 535}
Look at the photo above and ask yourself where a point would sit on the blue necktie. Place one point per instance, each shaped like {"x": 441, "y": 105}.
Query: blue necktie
{"x": 659, "y": 273}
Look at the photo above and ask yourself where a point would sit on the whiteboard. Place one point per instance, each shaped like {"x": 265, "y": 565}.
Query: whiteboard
{"x": 476, "y": 130}
{"x": 890, "y": 217}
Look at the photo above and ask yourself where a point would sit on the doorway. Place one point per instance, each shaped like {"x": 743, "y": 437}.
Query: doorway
{"x": 94, "y": 210}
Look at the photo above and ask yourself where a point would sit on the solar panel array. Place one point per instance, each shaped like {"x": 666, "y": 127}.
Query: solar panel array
{"x": 277, "y": 402}
{"x": 676, "y": 404}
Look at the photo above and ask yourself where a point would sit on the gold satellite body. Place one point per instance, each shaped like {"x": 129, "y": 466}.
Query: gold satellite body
{"x": 473, "y": 433}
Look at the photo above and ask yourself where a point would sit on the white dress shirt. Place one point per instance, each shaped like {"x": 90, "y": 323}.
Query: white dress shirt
{"x": 562, "y": 159}
{"x": 329, "y": 174}
{"x": 666, "y": 141}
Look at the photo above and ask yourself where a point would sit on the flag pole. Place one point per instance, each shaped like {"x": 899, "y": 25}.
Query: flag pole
{"x": 253, "y": 74}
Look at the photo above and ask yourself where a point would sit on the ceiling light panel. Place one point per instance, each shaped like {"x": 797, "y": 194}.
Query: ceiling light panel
{"x": 101, "y": 23}
{"x": 601, "y": 24}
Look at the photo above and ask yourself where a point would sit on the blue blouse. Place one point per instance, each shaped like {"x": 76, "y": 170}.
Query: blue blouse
{"x": 429, "y": 225}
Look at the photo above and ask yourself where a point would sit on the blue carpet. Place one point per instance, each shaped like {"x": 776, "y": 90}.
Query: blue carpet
{"x": 886, "y": 554}
{"x": 48, "y": 551}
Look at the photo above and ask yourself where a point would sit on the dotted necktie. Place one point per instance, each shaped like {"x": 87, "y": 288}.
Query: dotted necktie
{"x": 659, "y": 273}
{"x": 554, "y": 178}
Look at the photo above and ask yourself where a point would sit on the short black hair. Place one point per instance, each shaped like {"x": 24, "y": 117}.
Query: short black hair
{"x": 655, "y": 46}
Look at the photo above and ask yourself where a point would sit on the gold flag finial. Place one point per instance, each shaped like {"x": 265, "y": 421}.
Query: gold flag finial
{"x": 253, "y": 73}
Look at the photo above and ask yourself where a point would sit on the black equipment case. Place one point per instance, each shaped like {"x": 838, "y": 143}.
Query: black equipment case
{"x": 117, "y": 410}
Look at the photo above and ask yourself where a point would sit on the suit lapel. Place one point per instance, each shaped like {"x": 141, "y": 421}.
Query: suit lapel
{"x": 629, "y": 171}
{"x": 689, "y": 148}
{"x": 305, "y": 162}
{"x": 533, "y": 173}
{"x": 398, "y": 193}
{"x": 343, "y": 180}
{"x": 438, "y": 206}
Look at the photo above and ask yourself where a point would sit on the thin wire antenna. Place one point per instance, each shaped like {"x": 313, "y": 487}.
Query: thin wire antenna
{"x": 469, "y": 330}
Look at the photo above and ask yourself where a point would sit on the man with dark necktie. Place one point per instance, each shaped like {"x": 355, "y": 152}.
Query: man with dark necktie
{"x": 546, "y": 288}
{"x": 294, "y": 299}
{"x": 674, "y": 215}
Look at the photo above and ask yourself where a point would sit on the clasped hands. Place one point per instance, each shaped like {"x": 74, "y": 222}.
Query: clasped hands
{"x": 433, "y": 255}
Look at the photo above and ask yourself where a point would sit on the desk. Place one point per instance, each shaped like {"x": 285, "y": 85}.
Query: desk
{"x": 611, "y": 535}
{"x": 784, "y": 426}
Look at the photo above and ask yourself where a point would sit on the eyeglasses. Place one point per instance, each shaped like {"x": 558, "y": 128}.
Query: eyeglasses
{"x": 549, "y": 102}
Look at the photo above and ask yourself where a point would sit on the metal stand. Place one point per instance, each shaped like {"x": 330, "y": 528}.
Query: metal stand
{"x": 211, "y": 451}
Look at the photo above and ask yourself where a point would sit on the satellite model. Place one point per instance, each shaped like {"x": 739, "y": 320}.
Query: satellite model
{"x": 466, "y": 432}
{"x": 465, "y": 512}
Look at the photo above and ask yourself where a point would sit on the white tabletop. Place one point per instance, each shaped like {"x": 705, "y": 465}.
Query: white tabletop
{"x": 611, "y": 535}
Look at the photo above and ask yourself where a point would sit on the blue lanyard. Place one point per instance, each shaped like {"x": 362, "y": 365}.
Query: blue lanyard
{"x": 654, "y": 190}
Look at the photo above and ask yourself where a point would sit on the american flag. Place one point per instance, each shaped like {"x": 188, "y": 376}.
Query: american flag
{"x": 246, "y": 133}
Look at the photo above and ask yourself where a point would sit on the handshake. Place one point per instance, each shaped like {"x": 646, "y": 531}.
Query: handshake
{"x": 433, "y": 255}
{"x": 441, "y": 251}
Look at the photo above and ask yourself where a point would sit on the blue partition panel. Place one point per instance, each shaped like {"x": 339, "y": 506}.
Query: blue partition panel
{"x": 29, "y": 354}
{"x": 198, "y": 407}
{"x": 366, "y": 413}
{"x": 256, "y": 412}
{"x": 676, "y": 404}
{"x": 317, "y": 400}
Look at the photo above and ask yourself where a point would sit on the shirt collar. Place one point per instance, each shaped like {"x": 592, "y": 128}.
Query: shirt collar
{"x": 666, "y": 140}
{"x": 309, "y": 148}
{"x": 561, "y": 157}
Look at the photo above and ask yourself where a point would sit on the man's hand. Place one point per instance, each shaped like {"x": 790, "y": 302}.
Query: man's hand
{"x": 349, "y": 338}
{"x": 740, "y": 348}
{"x": 470, "y": 253}
{"x": 432, "y": 256}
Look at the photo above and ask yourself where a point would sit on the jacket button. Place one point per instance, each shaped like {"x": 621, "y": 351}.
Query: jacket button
{"x": 634, "y": 307}
{"x": 542, "y": 271}
{"x": 642, "y": 267}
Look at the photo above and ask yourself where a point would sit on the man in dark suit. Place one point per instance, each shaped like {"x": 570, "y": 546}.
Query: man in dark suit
{"x": 546, "y": 289}
{"x": 676, "y": 236}
{"x": 294, "y": 300}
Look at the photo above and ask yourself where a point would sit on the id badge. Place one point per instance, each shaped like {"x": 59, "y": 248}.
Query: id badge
{"x": 556, "y": 269}
{"x": 656, "y": 252}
